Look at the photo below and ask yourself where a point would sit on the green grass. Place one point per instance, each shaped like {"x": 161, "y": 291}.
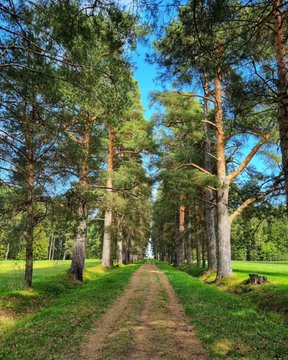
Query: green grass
{"x": 229, "y": 326}
{"x": 277, "y": 272}
{"x": 50, "y": 320}
{"x": 272, "y": 296}
{"x": 12, "y": 273}
{"x": 50, "y": 281}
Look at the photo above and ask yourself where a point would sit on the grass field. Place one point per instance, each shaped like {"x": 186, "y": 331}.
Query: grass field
{"x": 12, "y": 273}
{"x": 277, "y": 272}
{"x": 51, "y": 318}
{"x": 272, "y": 296}
{"x": 229, "y": 326}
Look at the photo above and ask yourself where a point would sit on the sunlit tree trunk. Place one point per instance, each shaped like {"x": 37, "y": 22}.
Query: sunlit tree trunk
{"x": 208, "y": 194}
{"x": 180, "y": 243}
{"x": 51, "y": 248}
{"x": 106, "y": 254}
{"x": 224, "y": 267}
{"x": 279, "y": 25}
{"x": 7, "y": 251}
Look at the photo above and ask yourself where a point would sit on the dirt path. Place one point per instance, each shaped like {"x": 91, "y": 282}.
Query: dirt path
{"x": 146, "y": 323}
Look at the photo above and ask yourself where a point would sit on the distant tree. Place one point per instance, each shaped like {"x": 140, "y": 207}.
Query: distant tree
{"x": 126, "y": 179}
{"x": 181, "y": 147}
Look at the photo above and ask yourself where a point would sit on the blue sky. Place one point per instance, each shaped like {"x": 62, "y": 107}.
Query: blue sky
{"x": 145, "y": 74}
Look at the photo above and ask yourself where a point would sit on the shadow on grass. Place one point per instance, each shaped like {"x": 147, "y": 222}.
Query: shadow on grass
{"x": 261, "y": 272}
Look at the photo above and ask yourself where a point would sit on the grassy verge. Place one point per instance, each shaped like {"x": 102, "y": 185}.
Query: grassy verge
{"x": 229, "y": 327}
{"x": 50, "y": 281}
{"x": 272, "y": 296}
{"x": 52, "y": 331}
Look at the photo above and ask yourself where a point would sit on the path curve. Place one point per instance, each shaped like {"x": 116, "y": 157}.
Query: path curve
{"x": 146, "y": 323}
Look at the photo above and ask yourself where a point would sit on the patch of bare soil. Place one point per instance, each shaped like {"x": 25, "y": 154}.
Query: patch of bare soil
{"x": 146, "y": 323}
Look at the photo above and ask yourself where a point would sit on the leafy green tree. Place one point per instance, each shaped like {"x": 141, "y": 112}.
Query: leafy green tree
{"x": 93, "y": 98}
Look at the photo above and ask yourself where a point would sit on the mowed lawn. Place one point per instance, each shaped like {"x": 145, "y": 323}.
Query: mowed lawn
{"x": 276, "y": 272}
{"x": 12, "y": 273}
{"x": 50, "y": 281}
{"x": 272, "y": 296}
{"x": 50, "y": 319}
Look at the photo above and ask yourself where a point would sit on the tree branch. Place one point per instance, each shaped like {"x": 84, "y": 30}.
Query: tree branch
{"x": 210, "y": 123}
{"x": 250, "y": 201}
{"x": 73, "y": 138}
{"x": 194, "y": 166}
{"x": 248, "y": 158}
{"x": 196, "y": 95}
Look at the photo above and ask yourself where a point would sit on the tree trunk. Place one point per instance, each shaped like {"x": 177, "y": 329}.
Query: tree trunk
{"x": 180, "y": 244}
{"x": 50, "y": 249}
{"x": 198, "y": 257}
{"x": 79, "y": 250}
{"x": 53, "y": 247}
{"x": 106, "y": 254}
{"x": 7, "y": 251}
{"x": 208, "y": 194}
{"x": 224, "y": 231}
{"x": 119, "y": 242}
{"x": 282, "y": 86}
{"x": 189, "y": 244}
{"x": 224, "y": 267}
{"x": 30, "y": 221}
{"x": 203, "y": 252}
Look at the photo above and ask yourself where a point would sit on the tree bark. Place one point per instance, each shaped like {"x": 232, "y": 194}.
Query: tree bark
{"x": 208, "y": 193}
{"x": 79, "y": 250}
{"x": 106, "y": 254}
{"x": 282, "y": 86}
{"x": 203, "y": 252}
{"x": 224, "y": 267}
{"x": 50, "y": 249}
{"x": 30, "y": 220}
{"x": 53, "y": 248}
{"x": 189, "y": 244}
{"x": 119, "y": 242}
{"x": 198, "y": 255}
{"x": 7, "y": 251}
{"x": 180, "y": 244}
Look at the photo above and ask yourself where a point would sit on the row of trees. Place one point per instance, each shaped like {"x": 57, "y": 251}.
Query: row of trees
{"x": 73, "y": 136}
{"x": 233, "y": 52}
{"x": 72, "y": 133}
